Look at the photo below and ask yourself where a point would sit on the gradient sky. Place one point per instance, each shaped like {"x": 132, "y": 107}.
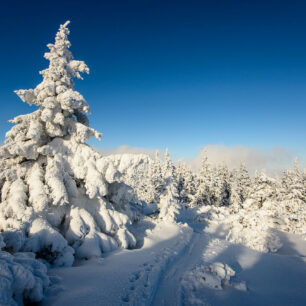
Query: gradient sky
{"x": 176, "y": 74}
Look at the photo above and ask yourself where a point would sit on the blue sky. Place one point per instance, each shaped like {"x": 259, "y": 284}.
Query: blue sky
{"x": 176, "y": 74}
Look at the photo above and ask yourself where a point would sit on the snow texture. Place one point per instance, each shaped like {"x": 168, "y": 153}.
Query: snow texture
{"x": 22, "y": 278}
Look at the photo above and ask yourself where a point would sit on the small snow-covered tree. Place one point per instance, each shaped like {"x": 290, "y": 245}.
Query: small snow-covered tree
{"x": 223, "y": 186}
{"x": 156, "y": 182}
{"x": 264, "y": 189}
{"x": 56, "y": 195}
{"x": 169, "y": 205}
{"x": 203, "y": 195}
{"x": 235, "y": 198}
{"x": 186, "y": 183}
{"x": 244, "y": 181}
{"x": 293, "y": 188}
{"x": 240, "y": 185}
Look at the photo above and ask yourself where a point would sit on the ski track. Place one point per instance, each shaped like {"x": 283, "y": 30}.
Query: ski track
{"x": 201, "y": 247}
{"x": 145, "y": 282}
{"x": 135, "y": 279}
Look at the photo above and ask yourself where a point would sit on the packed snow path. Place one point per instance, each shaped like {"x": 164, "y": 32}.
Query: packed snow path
{"x": 125, "y": 277}
{"x": 261, "y": 279}
{"x": 153, "y": 274}
{"x": 169, "y": 289}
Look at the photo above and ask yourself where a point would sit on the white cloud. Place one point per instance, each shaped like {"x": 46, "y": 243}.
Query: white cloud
{"x": 273, "y": 160}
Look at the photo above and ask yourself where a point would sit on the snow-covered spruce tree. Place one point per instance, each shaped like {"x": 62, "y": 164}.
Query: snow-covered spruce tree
{"x": 291, "y": 205}
{"x": 240, "y": 186}
{"x": 244, "y": 182}
{"x": 224, "y": 187}
{"x": 293, "y": 188}
{"x": 220, "y": 186}
{"x": 235, "y": 198}
{"x": 156, "y": 180}
{"x": 264, "y": 189}
{"x": 204, "y": 184}
{"x": 186, "y": 184}
{"x": 169, "y": 205}
{"x": 54, "y": 187}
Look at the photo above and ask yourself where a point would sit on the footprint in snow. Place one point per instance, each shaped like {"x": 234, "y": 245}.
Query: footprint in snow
{"x": 135, "y": 276}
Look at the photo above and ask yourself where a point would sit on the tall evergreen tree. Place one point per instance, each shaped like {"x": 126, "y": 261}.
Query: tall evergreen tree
{"x": 54, "y": 187}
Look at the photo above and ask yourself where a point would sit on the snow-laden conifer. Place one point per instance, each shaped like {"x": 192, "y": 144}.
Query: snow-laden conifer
{"x": 264, "y": 189}
{"x": 186, "y": 184}
{"x": 291, "y": 204}
{"x": 169, "y": 205}
{"x": 55, "y": 190}
{"x": 204, "y": 184}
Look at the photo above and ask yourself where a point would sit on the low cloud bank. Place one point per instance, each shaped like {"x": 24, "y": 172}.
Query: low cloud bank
{"x": 273, "y": 160}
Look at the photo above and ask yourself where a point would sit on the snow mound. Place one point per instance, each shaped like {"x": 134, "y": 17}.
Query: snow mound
{"x": 215, "y": 276}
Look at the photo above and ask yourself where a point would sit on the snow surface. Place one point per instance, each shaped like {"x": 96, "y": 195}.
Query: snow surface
{"x": 127, "y": 277}
{"x": 167, "y": 270}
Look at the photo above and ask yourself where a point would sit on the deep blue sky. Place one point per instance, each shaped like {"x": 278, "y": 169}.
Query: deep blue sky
{"x": 176, "y": 74}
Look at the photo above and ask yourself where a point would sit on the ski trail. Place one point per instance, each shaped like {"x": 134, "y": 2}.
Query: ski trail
{"x": 203, "y": 247}
{"x": 146, "y": 279}
{"x": 168, "y": 291}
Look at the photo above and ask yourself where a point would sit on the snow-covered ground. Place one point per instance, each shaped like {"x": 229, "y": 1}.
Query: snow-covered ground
{"x": 187, "y": 265}
{"x": 127, "y": 277}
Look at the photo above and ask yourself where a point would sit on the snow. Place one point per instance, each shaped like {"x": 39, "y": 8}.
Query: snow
{"x": 127, "y": 277}
{"x": 22, "y": 278}
{"x": 169, "y": 267}
{"x": 215, "y": 276}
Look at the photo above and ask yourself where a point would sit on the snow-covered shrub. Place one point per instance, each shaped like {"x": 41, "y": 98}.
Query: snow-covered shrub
{"x": 215, "y": 276}
{"x": 249, "y": 227}
{"x": 22, "y": 278}
{"x": 252, "y": 228}
{"x": 58, "y": 195}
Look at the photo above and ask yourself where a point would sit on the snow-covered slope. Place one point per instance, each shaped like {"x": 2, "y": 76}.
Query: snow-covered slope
{"x": 127, "y": 277}
{"x": 180, "y": 265}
